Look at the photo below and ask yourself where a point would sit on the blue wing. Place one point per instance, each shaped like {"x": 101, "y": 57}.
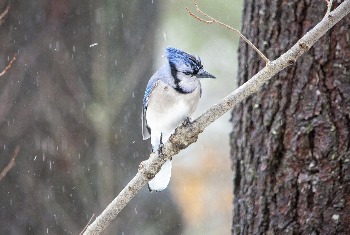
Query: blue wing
{"x": 149, "y": 89}
{"x": 146, "y": 130}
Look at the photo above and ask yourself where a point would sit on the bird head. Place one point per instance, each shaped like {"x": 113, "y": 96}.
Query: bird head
{"x": 186, "y": 64}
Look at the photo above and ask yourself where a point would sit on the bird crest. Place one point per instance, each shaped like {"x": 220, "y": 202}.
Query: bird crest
{"x": 182, "y": 61}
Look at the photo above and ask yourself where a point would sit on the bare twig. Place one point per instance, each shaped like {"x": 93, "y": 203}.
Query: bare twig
{"x": 10, "y": 164}
{"x": 186, "y": 135}
{"x": 93, "y": 215}
{"x": 4, "y": 13}
{"x": 213, "y": 20}
{"x": 9, "y": 65}
{"x": 329, "y": 6}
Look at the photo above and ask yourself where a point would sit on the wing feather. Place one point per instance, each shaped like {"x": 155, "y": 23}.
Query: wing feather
{"x": 146, "y": 130}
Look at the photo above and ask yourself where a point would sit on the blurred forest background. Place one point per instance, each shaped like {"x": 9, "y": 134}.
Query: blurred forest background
{"x": 71, "y": 106}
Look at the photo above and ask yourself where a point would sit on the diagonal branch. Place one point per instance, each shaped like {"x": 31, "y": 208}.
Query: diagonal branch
{"x": 213, "y": 20}
{"x": 9, "y": 65}
{"x": 186, "y": 135}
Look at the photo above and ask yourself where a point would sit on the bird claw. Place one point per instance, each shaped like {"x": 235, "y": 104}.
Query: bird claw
{"x": 161, "y": 146}
{"x": 160, "y": 150}
{"x": 187, "y": 121}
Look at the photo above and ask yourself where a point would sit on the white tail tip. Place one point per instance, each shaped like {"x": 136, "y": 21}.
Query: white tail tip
{"x": 161, "y": 179}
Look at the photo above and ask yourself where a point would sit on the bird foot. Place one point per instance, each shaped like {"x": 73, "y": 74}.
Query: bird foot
{"x": 161, "y": 146}
{"x": 187, "y": 121}
{"x": 160, "y": 150}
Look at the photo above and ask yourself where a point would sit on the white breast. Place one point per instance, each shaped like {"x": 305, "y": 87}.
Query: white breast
{"x": 168, "y": 108}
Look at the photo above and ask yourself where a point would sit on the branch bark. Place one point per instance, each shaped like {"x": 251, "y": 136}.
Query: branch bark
{"x": 188, "y": 134}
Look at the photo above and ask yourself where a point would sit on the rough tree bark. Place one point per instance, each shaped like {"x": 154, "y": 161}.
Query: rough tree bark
{"x": 290, "y": 143}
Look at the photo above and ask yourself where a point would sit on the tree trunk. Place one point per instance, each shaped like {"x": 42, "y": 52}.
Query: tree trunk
{"x": 290, "y": 143}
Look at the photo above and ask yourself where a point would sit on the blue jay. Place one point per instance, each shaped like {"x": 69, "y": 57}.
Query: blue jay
{"x": 171, "y": 97}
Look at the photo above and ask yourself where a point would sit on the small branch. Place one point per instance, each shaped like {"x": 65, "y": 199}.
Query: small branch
{"x": 93, "y": 215}
{"x": 10, "y": 164}
{"x": 9, "y": 65}
{"x": 329, "y": 6}
{"x": 188, "y": 134}
{"x": 213, "y": 20}
{"x": 4, "y": 13}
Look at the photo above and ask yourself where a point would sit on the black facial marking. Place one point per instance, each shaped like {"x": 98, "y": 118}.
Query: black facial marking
{"x": 178, "y": 88}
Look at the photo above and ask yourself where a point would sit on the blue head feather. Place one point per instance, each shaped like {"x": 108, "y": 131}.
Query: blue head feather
{"x": 179, "y": 61}
{"x": 182, "y": 61}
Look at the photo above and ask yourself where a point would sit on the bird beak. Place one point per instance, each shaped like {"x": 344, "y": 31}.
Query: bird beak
{"x": 204, "y": 74}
